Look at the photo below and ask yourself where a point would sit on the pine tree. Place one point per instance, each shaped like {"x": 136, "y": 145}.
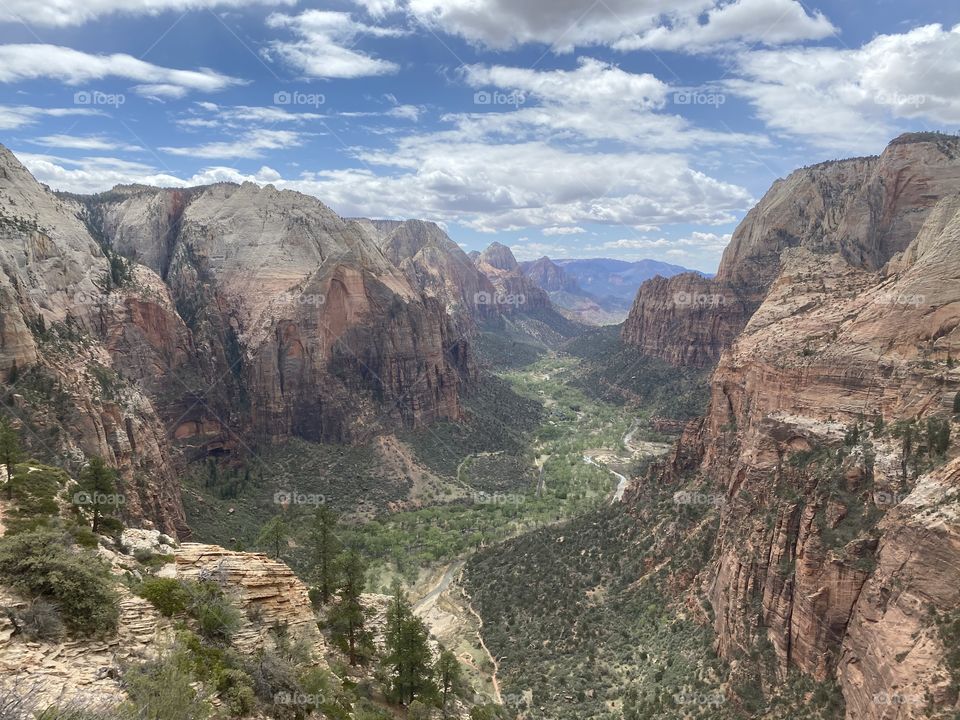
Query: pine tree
{"x": 9, "y": 451}
{"x": 408, "y": 653}
{"x": 274, "y": 535}
{"x": 98, "y": 487}
{"x": 449, "y": 677}
{"x": 324, "y": 549}
{"x": 347, "y": 619}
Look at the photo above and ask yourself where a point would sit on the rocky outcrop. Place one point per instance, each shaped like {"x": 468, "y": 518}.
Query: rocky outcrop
{"x": 801, "y": 448}
{"x": 515, "y": 292}
{"x": 266, "y": 591}
{"x": 687, "y": 319}
{"x": 867, "y": 210}
{"x": 436, "y": 264}
{"x": 89, "y": 673}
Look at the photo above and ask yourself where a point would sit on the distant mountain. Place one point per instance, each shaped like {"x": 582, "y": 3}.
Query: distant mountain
{"x": 606, "y": 279}
{"x": 597, "y": 291}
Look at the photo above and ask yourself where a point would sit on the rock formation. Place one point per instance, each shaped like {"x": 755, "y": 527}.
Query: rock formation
{"x": 435, "y": 263}
{"x": 865, "y": 209}
{"x": 837, "y": 541}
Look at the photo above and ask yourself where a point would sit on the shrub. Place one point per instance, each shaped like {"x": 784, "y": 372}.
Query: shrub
{"x": 40, "y": 621}
{"x": 167, "y": 595}
{"x": 40, "y": 564}
{"x": 217, "y": 618}
{"x": 163, "y": 689}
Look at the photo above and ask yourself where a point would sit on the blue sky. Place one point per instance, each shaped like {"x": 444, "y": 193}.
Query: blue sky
{"x": 572, "y": 128}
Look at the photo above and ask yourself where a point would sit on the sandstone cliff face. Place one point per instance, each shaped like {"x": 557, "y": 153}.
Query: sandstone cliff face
{"x": 515, "y": 292}
{"x": 435, "y": 263}
{"x": 294, "y": 312}
{"x": 892, "y": 656}
{"x": 56, "y": 330}
{"x": 865, "y": 209}
{"x": 817, "y": 547}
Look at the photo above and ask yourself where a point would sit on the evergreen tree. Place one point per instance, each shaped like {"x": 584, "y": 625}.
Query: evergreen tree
{"x": 9, "y": 451}
{"x": 956, "y": 404}
{"x": 98, "y": 487}
{"x": 449, "y": 677}
{"x": 347, "y": 619}
{"x": 274, "y": 535}
{"x": 408, "y": 653}
{"x": 325, "y": 547}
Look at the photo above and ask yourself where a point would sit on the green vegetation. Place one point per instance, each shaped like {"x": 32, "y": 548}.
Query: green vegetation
{"x": 618, "y": 373}
{"x": 43, "y": 564}
{"x": 10, "y": 452}
{"x": 347, "y": 619}
{"x": 98, "y": 490}
{"x": 408, "y": 654}
{"x": 274, "y": 536}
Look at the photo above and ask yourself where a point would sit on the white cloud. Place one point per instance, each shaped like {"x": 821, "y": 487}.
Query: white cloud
{"x": 325, "y": 45}
{"x": 551, "y": 231}
{"x": 563, "y": 24}
{"x": 623, "y": 24}
{"x": 698, "y": 241}
{"x": 59, "y": 13}
{"x": 767, "y": 22}
{"x": 855, "y": 100}
{"x": 16, "y": 116}
{"x": 405, "y": 112}
{"x": 251, "y": 145}
{"x": 34, "y": 61}
{"x": 378, "y": 8}
{"x": 76, "y": 142}
{"x": 475, "y": 185}
{"x": 595, "y": 101}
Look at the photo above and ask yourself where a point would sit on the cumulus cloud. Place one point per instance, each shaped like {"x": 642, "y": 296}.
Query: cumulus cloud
{"x": 595, "y": 101}
{"x": 855, "y": 100}
{"x": 60, "y": 13}
{"x": 36, "y": 61}
{"x": 766, "y": 22}
{"x": 623, "y": 24}
{"x": 324, "y": 45}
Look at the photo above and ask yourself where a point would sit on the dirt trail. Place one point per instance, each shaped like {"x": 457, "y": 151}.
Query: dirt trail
{"x": 493, "y": 661}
